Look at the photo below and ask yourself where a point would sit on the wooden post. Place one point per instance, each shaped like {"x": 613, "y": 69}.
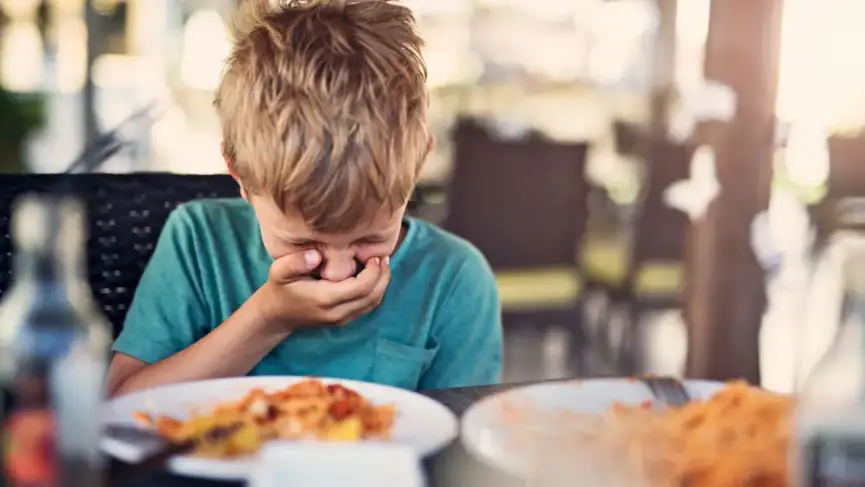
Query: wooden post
{"x": 725, "y": 290}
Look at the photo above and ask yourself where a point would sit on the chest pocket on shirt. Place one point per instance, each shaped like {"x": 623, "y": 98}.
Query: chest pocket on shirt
{"x": 400, "y": 365}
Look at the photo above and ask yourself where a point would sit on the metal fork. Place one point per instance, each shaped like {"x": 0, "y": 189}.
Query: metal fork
{"x": 161, "y": 454}
{"x": 667, "y": 391}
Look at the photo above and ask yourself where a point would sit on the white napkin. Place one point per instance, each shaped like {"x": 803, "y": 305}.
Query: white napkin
{"x": 336, "y": 465}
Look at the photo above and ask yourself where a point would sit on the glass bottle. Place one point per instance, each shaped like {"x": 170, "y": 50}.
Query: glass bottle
{"x": 54, "y": 347}
{"x": 829, "y": 440}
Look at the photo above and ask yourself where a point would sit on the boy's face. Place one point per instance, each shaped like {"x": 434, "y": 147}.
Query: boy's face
{"x": 284, "y": 233}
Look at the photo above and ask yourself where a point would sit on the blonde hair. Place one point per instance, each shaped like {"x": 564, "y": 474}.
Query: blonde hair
{"x": 323, "y": 107}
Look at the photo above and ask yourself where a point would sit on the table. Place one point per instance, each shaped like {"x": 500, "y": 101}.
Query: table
{"x": 452, "y": 467}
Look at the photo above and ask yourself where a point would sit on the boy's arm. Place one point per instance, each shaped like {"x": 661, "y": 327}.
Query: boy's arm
{"x": 232, "y": 349}
{"x": 165, "y": 337}
{"x": 468, "y": 327}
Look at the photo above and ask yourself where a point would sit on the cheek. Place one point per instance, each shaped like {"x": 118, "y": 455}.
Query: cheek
{"x": 275, "y": 247}
{"x": 375, "y": 250}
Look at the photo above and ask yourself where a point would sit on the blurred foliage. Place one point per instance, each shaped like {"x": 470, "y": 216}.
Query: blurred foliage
{"x": 21, "y": 115}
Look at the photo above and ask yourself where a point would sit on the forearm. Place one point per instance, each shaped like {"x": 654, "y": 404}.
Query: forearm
{"x": 233, "y": 349}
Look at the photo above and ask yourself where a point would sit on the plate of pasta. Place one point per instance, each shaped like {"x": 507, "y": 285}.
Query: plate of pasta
{"x": 609, "y": 432}
{"x": 227, "y": 421}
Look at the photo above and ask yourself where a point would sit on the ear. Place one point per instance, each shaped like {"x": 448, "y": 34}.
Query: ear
{"x": 229, "y": 164}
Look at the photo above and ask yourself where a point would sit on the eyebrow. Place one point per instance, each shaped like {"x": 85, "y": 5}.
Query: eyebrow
{"x": 375, "y": 237}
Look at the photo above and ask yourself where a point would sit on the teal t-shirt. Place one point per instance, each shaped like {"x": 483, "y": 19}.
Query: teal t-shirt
{"x": 439, "y": 324}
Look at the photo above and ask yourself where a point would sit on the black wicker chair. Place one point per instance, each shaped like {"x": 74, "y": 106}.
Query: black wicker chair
{"x": 125, "y": 214}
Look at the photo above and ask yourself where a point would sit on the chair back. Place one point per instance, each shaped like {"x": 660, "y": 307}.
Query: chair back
{"x": 522, "y": 202}
{"x": 125, "y": 215}
{"x": 660, "y": 231}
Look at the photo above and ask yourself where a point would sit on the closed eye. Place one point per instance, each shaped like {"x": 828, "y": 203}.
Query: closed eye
{"x": 370, "y": 241}
{"x": 303, "y": 243}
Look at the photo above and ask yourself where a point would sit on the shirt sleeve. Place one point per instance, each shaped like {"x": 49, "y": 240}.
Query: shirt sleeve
{"x": 168, "y": 310}
{"x": 468, "y": 327}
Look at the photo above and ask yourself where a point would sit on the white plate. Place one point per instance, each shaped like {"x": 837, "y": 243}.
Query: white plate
{"x": 422, "y": 424}
{"x": 487, "y": 435}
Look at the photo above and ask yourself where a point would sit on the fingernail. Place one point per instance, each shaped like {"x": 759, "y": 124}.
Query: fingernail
{"x": 387, "y": 260}
{"x": 376, "y": 261}
{"x": 311, "y": 257}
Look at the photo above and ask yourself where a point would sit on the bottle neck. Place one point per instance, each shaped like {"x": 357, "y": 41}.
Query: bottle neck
{"x": 47, "y": 267}
{"x": 49, "y": 242}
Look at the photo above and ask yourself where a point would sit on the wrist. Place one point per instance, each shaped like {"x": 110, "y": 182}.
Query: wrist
{"x": 266, "y": 313}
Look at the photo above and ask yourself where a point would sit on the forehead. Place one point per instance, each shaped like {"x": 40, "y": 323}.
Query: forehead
{"x": 290, "y": 225}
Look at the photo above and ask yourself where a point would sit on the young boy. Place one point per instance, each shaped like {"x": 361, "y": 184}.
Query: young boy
{"x": 317, "y": 270}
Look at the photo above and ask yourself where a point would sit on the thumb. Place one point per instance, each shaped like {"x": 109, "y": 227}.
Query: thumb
{"x": 292, "y": 266}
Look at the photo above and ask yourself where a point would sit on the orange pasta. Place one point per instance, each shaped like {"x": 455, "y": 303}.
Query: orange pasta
{"x": 304, "y": 410}
{"x": 739, "y": 437}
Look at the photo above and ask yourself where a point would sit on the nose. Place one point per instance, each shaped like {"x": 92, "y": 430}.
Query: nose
{"x": 337, "y": 269}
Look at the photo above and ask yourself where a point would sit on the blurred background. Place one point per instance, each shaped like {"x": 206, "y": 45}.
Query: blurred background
{"x": 638, "y": 216}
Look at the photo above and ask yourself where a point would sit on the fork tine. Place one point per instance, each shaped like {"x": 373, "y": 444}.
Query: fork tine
{"x": 677, "y": 390}
{"x": 667, "y": 390}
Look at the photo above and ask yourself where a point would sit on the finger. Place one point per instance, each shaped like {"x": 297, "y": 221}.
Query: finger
{"x": 365, "y": 304}
{"x": 354, "y": 288}
{"x": 381, "y": 286}
{"x": 294, "y": 265}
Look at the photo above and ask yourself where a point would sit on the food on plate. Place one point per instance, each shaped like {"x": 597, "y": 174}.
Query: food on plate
{"x": 738, "y": 437}
{"x": 308, "y": 409}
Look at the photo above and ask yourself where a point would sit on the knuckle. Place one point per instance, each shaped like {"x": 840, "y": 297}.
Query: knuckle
{"x": 273, "y": 273}
{"x": 373, "y": 299}
{"x": 332, "y": 316}
{"x": 320, "y": 300}
{"x": 314, "y": 300}
{"x": 370, "y": 286}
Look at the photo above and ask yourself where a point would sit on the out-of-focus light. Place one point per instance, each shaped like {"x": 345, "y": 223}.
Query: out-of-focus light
{"x": 624, "y": 19}
{"x": 181, "y": 147}
{"x": 71, "y": 57}
{"x": 619, "y": 30}
{"x": 608, "y": 62}
{"x": 443, "y": 39}
{"x": 692, "y": 22}
{"x": 21, "y": 55}
{"x": 692, "y": 27}
{"x": 67, "y": 8}
{"x": 618, "y": 174}
{"x": 821, "y": 75}
{"x": 439, "y": 8}
{"x": 206, "y": 46}
{"x": 117, "y": 71}
{"x": 19, "y": 9}
{"x": 105, "y": 7}
{"x": 693, "y": 196}
{"x": 548, "y": 10}
{"x": 168, "y": 132}
{"x": 789, "y": 223}
{"x": 681, "y": 122}
{"x": 807, "y": 157}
